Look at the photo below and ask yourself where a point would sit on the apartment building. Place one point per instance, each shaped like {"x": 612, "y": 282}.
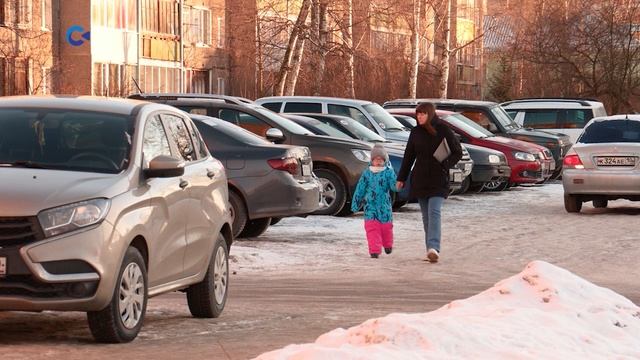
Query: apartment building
{"x": 117, "y": 47}
{"x": 26, "y": 61}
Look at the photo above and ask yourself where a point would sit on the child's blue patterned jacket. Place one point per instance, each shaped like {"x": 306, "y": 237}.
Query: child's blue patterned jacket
{"x": 372, "y": 191}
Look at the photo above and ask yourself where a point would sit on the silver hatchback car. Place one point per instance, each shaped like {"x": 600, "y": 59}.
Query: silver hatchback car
{"x": 105, "y": 203}
{"x": 604, "y": 163}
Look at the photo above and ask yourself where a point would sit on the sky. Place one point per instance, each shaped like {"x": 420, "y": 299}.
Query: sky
{"x": 542, "y": 312}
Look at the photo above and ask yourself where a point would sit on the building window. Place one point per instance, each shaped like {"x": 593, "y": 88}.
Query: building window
{"x": 117, "y": 14}
{"x": 44, "y": 81}
{"x": 197, "y": 81}
{"x": 16, "y": 12}
{"x": 45, "y": 8}
{"x": 197, "y": 25}
{"x": 221, "y": 86}
{"x": 220, "y": 39}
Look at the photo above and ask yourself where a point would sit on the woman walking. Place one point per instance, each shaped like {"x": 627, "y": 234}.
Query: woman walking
{"x": 429, "y": 177}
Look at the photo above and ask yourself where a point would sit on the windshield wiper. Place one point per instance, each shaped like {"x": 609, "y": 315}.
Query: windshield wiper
{"x": 26, "y": 164}
{"x": 395, "y": 129}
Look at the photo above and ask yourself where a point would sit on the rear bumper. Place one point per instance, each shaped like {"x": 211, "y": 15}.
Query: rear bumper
{"x": 280, "y": 195}
{"x": 601, "y": 182}
{"x": 484, "y": 173}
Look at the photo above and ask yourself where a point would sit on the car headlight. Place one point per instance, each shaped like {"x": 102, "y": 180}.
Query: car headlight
{"x": 72, "y": 217}
{"x": 362, "y": 155}
{"x": 524, "y": 156}
{"x": 494, "y": 159}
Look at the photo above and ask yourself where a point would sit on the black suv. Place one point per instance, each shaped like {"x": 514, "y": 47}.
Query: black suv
{"x": 338, "y": 163}
{"x": 494, "y": 118}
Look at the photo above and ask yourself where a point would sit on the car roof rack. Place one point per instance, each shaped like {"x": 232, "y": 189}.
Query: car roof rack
{"x": 175, "y": 96}
{"x": 581, "y": 101}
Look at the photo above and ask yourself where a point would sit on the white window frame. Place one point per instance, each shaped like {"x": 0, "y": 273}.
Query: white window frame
{"x": 199, "y": 34}
{"x": 220, "y": 89}
{"x": 43, "y": 12}
{"x": 219, "y": 35}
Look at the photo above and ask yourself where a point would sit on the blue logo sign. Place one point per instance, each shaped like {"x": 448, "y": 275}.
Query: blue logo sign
{"x": 83, "y": 35}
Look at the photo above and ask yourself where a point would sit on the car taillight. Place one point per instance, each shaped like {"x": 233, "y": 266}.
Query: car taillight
{"x": 289, "y": 165}
{"x": 572, "y": 162}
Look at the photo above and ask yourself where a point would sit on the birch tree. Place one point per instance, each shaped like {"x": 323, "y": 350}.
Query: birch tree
{"x": 294, "y": 37}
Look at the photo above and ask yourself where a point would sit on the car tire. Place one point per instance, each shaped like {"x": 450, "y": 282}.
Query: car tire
{"x": 495, "y": 186}
{"x": 335, "y": 193}
{"x": 239, "y": 213}
{"x": 572, "y": 203}
{"x": 114, "y": 324}
{"x": 207, "y": 298}
{"x": 600, "y": 203}
{"x": 464, "y": 187}
{"x": 255, "y": 227}
{"x": 275, "y": 220}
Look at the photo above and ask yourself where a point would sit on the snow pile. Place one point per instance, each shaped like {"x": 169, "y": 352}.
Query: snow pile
{"x": 543, "y": 312}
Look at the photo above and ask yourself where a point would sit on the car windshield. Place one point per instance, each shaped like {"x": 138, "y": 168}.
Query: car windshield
{"x": 504, "y": 118}
{"x": 360, "y": 131}
{"x": 231, "y": 130}
{"x": 383, "y": 118}
{"x": 611, "y": 131}
{"x": 65, "y": 139}
{"x": 468, "y": 126}
{"x": 285, "y": 123}
{"x": 328, "y": 129}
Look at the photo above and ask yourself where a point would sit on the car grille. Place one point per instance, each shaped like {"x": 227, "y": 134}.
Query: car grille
{"x": 19, "y": 231}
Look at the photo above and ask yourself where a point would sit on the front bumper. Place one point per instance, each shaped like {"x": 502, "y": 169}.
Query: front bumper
{"x": 485, "y": 173}
{"x": 72, "y": 272}
{"x": 612, "y": 183}
{"x": 530, "y": 172}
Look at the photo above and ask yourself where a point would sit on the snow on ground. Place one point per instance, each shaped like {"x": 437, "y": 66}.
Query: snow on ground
{"x": 544, "y": 312}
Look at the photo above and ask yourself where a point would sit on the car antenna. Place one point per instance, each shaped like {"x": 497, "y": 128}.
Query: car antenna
{"x": 138, "y": 86}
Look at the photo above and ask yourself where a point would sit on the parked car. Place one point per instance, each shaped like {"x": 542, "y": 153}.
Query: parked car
{"x": 106, "y": 203}
{"x": 338, "y": 163}
{"x": 265, "y": 180}
{"x": 367, "y": 113}
{"x": 492, "y": 117}
{"x": 408, "y": 121}
{"x": 567, "y": 116}
{"x": 527, "y": 161}
{"x": 603, "y": 164}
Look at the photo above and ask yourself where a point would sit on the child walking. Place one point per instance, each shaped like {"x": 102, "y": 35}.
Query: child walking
{"x": 372, "y": 191}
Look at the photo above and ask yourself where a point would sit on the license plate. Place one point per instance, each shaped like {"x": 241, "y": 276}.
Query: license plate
{"x": 3, "y": 266}
{"x": 457, "y": 177}
{"x": 616, "y": 161}
{"x": 306, "y": 170}
{"x": 467, "y": 167}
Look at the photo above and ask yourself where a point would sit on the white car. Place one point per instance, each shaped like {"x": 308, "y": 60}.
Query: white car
{"x": 567, "y": 116}
{"x": 604, "y": 163}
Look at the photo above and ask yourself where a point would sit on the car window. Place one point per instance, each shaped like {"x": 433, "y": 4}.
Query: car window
{"x": 361, "y": 132}
{"x": 576, "y": 118}
{"x": 611, "y": 131}
{"x": 351, "y": 112}
{"x": 65, "y": 139}
{"x": 383, "y": 118}
{"x": 467, "y": 125}
{"x": 328, "y": 129}
{"x": 179, "y": 133}
{"x": 303, "y": 107}
{"x": 273, "y": 106}
{"x": 478, "y": 117}
{"x": 154, "y": 142}
{"x": 281, "y": 122}
{"x": 503, "y": 118}
{"x": 245, "y": 121}
{"x": 232, "y": 131}
{"x": 542, "y": 119}
{"x": 198, "y": 110}
{"x": 201, "y": 147}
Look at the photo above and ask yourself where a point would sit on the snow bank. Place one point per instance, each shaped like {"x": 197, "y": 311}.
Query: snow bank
{"x": 542, "y": 312}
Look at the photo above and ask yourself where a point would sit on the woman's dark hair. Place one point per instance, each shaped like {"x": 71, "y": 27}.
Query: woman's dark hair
{"x": 429, "y": 109}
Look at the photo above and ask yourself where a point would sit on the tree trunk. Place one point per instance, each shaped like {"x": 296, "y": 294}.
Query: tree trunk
{"x": 285, "y": 67}
{"x": 319, "y": 34}
{"x": 347, "y": 33}
{"x": 415, "y": 50}
{"x": 446, "y": 53}
{"x": 292, "y": 78}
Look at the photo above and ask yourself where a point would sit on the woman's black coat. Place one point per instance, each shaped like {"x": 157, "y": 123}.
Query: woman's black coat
{"x": 429, "y": 177}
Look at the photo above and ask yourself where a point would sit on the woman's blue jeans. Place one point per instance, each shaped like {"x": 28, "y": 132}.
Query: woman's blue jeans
{"x": 431, "y": 215}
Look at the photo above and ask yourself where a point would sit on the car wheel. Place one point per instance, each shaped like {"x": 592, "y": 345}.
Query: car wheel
{"x": 207, "y": 298}
{"x": 495, "y": 185}
{"x": 275, "y": 220}
{"x": 572, "y": 203}
{"x": 335, "y": 193}
{"x": 255, "y": 227}
{"x": 239, "y": 213}
{"x": 600, "y": 203}
{"x": 120, "y": 321}
{"x": 464, "y": 187}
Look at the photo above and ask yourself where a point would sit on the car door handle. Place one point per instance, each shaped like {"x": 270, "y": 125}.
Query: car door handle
{"x": 210, "y": 174}
{"x": 184, "y": 184}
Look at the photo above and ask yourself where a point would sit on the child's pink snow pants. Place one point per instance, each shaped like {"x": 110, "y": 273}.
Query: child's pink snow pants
{"x": 378, "y": 234}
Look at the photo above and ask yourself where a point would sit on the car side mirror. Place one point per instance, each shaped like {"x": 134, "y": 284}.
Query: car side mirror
{"x": 275, "y": 135}
{"x": 493, "y": 128}
{"x": 164, "y": 166}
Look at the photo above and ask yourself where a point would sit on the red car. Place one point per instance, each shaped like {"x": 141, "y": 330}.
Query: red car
{"x": 530, "y": 163}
